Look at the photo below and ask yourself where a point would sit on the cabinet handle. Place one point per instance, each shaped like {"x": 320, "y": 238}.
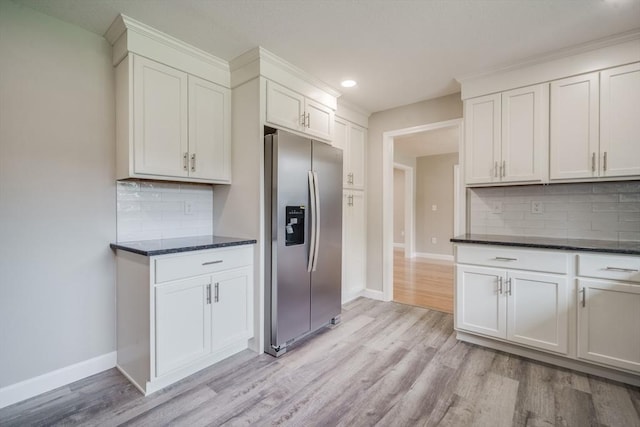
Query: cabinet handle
{"x": 185, "y": 166}
{"x": 217, "y": 294}
{"x": 350, "y": 178}
{"x": 624, "y": 270}
{"x": 218, "y": 261}
{"x": 193, "y": 162}
{"x": 209, "y": 293}
{"x": 504, "y": 168}
{"x": 583, "y": 291}
{"x": 350, "y": 200}
{"x": 303, "y": 120}
{"x": 509, "y": 286}
{"x": 500, "y": 285}
{"x": 604, "y": 162}
{"x": 501, "y": 258}
{"x": 593, "y": 162}
{"x": 495, "y": 170}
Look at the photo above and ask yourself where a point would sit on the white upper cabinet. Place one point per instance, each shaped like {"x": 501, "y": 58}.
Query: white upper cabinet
{"x": 620, "y": 121}
{"x": 180, "y": 124}
{"x": 351, "y": 138}
{"x": 290, "y": 110}
{"x": 159, "y": 119}
{"x": 574, "y": 127}
{"x": 506, "y": 136}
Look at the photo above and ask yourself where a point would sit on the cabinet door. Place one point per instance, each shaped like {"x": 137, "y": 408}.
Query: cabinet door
{"x": 480, "y": 301}
{"x": 356, "y": 140}
{"x": 341, "y": 135}
{"x": 619, "y": 123}
{"x": 525, "y": 127}
{"x": 183, "y": 323}
{"x": 482, "y": 139}
{"x": 209, "y": 131}
{"x": 574, "y": 127}
{"x": 609, "y": 323}
{"x": 354, "y": 250}
{"x": 232, "y": 308}
{"x": 320, "y": 120}
{"x": 285, "y": 108}
{"x": 537, "y": 310}
{"x": 160, "y": 119}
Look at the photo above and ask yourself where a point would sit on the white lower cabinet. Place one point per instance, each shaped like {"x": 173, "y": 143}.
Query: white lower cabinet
{"x": 521, "y": 307}
{"x": 354, "y": 244}
{"x": 169, "y": 329}
{"x": 609, "y": 323}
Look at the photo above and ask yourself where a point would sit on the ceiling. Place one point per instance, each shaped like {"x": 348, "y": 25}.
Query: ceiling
{"x": 427, "y": 143}
{"x": 399, "y": 51}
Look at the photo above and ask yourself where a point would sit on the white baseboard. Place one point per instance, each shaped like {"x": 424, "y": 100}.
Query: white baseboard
{"x": 434, "y": 256}
{"x": 398, "y": 245}
{"x": 17, "y": 392}
{"x": 377, "y": 295}
{"x": 351, "y": 296}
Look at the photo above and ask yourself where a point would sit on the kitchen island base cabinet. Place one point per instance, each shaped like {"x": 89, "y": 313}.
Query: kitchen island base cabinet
{"x": 169, "y": 329}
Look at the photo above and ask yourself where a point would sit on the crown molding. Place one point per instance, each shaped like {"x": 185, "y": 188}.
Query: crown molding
{"x": 353, "y": 107}
{"x": 123, "y": 24}
{"x": 556, "y": 54}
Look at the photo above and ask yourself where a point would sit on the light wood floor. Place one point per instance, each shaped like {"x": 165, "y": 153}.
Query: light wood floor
{"x": 386, "y": 364}
{"x": 423, "y": 282}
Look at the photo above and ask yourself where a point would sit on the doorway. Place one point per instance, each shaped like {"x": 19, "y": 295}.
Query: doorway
{"x": 422, "y": 257}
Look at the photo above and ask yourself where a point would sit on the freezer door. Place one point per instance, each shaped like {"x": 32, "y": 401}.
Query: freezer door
{"x": 326, "y": 283}
{"x": 289, "y": 290}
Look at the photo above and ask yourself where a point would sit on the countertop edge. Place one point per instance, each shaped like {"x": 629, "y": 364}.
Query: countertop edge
{"x": 547, "y": 246}
{"x": 117, "y": 246}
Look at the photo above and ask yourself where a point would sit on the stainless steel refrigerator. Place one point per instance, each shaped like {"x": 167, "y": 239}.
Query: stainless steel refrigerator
{"x": 303, "y": 186}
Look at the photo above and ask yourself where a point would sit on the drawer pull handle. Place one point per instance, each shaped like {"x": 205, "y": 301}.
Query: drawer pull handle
{"x": 212, "y": 262}
{"x": 624, "y": 270}
{"x": 583, "y": 291}
{"x": 501, "y": 258}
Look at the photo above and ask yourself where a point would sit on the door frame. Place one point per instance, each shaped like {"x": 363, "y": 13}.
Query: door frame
{"x": 409, "y": 210}
{"x": 387, "y": 194}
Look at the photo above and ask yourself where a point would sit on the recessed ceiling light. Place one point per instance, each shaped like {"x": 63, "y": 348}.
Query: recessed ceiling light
{"x": 348, "y": 83}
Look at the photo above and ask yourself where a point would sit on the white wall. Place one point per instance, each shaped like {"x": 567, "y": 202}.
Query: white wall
{"x": 57, "y": 195}
{"x": 431, "y": 111}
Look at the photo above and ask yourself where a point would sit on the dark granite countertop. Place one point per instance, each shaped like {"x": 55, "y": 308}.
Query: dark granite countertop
{"x": 179, "y": 244}
{"x": 606, "y": 246}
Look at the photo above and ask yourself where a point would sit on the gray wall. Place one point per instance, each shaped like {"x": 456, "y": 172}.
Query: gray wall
{"x": 431, "y": 111}
{"x": 434, "y": 186}
{"x": 57, "y": 195}
{"x": 398, "y": 205}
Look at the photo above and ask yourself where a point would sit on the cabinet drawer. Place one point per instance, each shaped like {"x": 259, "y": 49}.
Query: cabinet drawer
{"x": 616, "y": 267}
{"x": 202, "y": 262}
{"x": 551, "y": 262}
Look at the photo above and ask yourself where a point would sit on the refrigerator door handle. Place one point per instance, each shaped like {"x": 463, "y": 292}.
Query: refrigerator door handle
{"x": 312, "y": 245}
{"x": 316, "y": 222}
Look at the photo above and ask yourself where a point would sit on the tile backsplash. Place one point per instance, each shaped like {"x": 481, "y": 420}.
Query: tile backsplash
{"x": 603, "y": 211}
{"x": 159, "y": 210}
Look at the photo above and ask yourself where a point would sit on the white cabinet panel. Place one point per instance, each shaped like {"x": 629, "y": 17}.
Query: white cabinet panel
{"x": 357, "y": 137}
{"x": 231, "y": 317}
{"x": 284, "y": 107}
{"x": 183, "y": 323}
{"x": 480, "y": 302}
{"x": 341, "y": 132}
{"x": 209, "y": 132}
{"x": 482, "y": 139}
{"x": 537, "y": 310}
{"x": 354, "y": 246}
{"x": 574, "y": 127}
{"x": 160, "y": 124}
{"x": 525, "y": 134}
{"x": 609, "y": 323}
{"x": 320, "y": 120}
{"x": 620, "y": 126}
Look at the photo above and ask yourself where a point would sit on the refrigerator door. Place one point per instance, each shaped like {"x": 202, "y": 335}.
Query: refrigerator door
{"x": 326, "y": 285}
{"x": 288, "y": 161}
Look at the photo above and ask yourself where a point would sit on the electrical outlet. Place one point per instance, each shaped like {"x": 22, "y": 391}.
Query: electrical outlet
{"x": 434, "y": 207}
{"x": 434, "y": 240}
{"x": 537, "y": 207}
{"x": 496, "y": 207}
{"x": 188, "y": 208}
